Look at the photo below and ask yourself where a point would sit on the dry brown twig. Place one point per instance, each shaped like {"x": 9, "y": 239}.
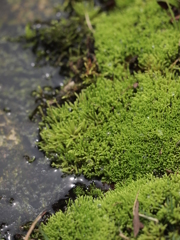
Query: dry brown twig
{"x": 149, "y": 218}
{"x": 33, "y": 225}
{"x": 123, "y": 236}
{"x": 116, "y": 203}
{"x": 89, "y": 22}
{"x": 174, "y": 63}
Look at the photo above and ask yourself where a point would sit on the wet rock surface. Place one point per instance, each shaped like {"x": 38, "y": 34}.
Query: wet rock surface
{"x": 26, "y": 187}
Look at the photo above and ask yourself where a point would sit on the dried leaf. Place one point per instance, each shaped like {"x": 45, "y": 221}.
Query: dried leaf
{"x": 135, "y": 85}
{"x": 169, "y": 172}
{"x": 178, "y": 144}
{"x": 136, "y": 222}
{"x": 160, "y": 152}
{"x": 176, "y": 18}
{"x": 69, "y": 86}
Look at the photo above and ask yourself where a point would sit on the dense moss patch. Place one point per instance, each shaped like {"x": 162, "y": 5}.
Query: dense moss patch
{"x": 115, "y": 130}
{"x": 106, "y": 217}
{"x": 128, "y": 126}
{"x": 140, "y": 37}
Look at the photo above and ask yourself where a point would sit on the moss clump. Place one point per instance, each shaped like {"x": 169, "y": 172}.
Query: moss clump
{"x": 104, "y": 218}
{"x": 115, "y": 130}
{"x": 91, "y": 190}
{"x": 127, "y": 127}
{"x": 137, "y": 38}
{"x": 62, "y": 40}
{"x": 66, "y": 41}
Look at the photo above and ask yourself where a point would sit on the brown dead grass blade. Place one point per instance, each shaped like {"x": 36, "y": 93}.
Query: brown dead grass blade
{"x": 123, "y": 236}
{"x": 136, "y": 222}
{"x": 89, "y": 22}
{"x": 33, "y": 225}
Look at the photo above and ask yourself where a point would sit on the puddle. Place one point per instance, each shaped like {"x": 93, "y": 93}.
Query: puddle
{"x": 26, "y": 189}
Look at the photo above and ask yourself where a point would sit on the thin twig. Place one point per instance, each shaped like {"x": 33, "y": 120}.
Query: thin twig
{"x": 174, "y": 63}
{"x": 176, "y": 18}
{"x": 116, "y": 203}
{"x": 149, "y": 218}
{"x": 123, "y": 236}
{"x": 142, "y": 215}
{"x": 33, "y": 225}
{"x": 89, "y": 22}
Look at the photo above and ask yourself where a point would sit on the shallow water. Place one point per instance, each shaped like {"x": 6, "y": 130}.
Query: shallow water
{"x": 26, "y": 189}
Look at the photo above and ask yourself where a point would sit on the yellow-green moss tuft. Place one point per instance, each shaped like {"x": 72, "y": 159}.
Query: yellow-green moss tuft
{"x": 104, "y": 218}
{"x": 143, "y": 29}
{"x": 128, "y": 126}
{"x": 117, "y": 131}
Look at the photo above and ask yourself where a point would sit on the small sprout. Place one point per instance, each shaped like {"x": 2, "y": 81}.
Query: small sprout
{"x": 29, "y": 159}
{"x": 7, "y": 110}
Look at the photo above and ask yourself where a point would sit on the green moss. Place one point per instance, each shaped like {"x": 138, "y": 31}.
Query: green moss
{"x": 117, "y": 131}
{"x": 59, "y": 41}
{"x": 104, "y": 218}
{"x": 91, "y": 190}
{"x": 66, "y": 41}
{"x": 143, "y": 30}
{"x": 130, "y": 126}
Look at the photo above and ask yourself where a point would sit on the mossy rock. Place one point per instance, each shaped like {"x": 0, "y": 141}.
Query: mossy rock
{"x": 104, "y": 218}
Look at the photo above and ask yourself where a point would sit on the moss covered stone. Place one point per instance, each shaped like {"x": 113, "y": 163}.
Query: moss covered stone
{"x": 105, "y": 218}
